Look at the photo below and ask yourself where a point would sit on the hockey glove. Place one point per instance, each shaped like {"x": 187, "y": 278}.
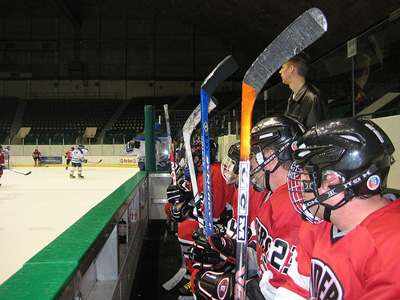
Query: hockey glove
{"x": 214, "y": 285}
{"x": 174, "y": 194}
{"x": 202, "y": 255}
{"x": 178, "y": 194}
{"x": 180, "y": 211}
{"x": 225, "y": 246}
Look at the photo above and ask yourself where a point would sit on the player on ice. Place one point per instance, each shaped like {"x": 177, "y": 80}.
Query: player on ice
{"x": 37, "y": 157}
{"x": 7, "y": 156}
{"x": 77, "y": 158}
{"x": 68, "y": 157}
{"x": 137, "y": 146}
{"x": 2, "y": 162}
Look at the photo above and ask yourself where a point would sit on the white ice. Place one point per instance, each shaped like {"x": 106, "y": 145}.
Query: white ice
{"x": 36, "y": 208}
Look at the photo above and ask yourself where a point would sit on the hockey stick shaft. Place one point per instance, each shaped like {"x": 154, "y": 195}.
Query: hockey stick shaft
{"x": 301, "y": 33}
{"x": 171, "y": 148}
{"x": 20, "y": 172}
{"x": 188, "y": 128}
{"x": 220, "y": 73}
{"x": 208, "y": 211}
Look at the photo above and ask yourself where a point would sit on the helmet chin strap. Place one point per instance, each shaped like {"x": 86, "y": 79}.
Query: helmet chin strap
{"x": 328, "y": 208}
{"x": 267, "y": 175}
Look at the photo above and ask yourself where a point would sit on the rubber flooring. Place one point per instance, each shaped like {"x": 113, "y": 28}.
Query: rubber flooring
{"x": 159, "y": 260}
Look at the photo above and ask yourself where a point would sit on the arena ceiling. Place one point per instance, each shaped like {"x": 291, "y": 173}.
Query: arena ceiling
{"x": 249, "y": 25}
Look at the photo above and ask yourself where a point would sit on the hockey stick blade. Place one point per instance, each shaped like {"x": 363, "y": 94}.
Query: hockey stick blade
{"x": 170, "y": 284}
{"x": 20, "y": 172}
{"x": 305, "y": 30}
{"x": 220, "y": 73}
{"x": 171, "y": 148}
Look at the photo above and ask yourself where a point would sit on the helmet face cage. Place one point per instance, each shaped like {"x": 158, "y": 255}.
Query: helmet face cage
{"x": 227, "y": 167}
{"x": 197, "y": 150}
{"x": 230, "y": 163}
{"x": 306, "y": 180}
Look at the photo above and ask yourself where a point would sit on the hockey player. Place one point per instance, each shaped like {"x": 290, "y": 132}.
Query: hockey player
{"x": 67, "y": 156}
{"x": 350, "y": 246}
{"x": 272, "y": 142}
{"x": 217, "y": 254}
{"x": 37, "y": 157}
{"x": 2, "y": 162}
{"x": 137, "y": 147}
{"x": 7, "y": 156}
{"x": 77, "y": 158}
{"x": 222, "y": 202}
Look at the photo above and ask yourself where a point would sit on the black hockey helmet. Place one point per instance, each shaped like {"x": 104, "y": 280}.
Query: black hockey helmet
{"x": 197, "y": 147}
{"x": 231, "y": 162}
{"x": 280, "y": 134}
{"x": 355, "y": 150}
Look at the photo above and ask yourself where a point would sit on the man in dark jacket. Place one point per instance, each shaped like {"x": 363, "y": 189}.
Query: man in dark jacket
{"x": 306, "y": 103}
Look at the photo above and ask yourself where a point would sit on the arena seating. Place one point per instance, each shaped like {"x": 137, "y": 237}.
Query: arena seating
{"x": 7, "y": 112}
{"x": 66, "y": 118}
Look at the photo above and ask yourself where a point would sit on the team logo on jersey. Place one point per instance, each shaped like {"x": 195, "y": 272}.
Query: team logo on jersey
{"x": 324, "y": 283}
{"x": 264, "y": 239}
{"x": 373, "y": 182}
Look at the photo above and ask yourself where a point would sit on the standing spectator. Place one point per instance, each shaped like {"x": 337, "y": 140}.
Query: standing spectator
{"x": 77, "y": 158}
{"x": 68, "y": 157}
{"x": 305, "y": 103}
{"x": 2, "y": 162}
{"x": 37, "y": 157}
{"x": 350, "y": 247}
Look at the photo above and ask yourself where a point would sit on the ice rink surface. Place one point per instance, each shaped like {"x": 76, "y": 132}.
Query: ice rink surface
{"x": 36, "y": 208}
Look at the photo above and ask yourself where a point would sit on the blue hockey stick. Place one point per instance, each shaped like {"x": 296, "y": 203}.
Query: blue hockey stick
{"x": 221, "y": 72}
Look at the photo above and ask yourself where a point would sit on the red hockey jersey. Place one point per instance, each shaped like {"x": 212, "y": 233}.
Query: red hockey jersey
{"x": 278, "y": 228}
{"x": 363, "y": 263}
{"x": 222, "y": 192}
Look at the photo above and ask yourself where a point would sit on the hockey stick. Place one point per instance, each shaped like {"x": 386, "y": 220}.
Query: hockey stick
{"x": 192, "y": 121}
{"x": 220, "y": 73}
{"x": 20, "y": 172}
{"x": 173, "y": 173}
{"x": 188, "y": 128}
{"x": 300, "y": 34}
{"x": 93, "y": 163}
